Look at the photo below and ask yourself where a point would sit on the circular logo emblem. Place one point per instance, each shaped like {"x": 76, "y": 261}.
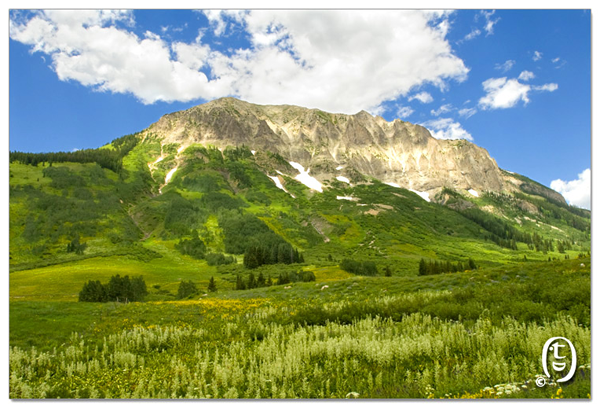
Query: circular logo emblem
{"x": 555, "y": 347}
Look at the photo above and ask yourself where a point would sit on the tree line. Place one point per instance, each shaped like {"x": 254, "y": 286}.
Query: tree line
{"x": 284, "y": 278}
{"x": 437, "y": 267}
{"x": 107, "y": 158}
{"x": 271, "y": 253}
{"x": 366, "y": 268}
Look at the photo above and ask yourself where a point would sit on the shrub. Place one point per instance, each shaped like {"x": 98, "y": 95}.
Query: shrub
{"x": 193, "y": 247}
{"x": 218, "y": 258}
{"x": 186, "y": 289}
{"x": 366, "y": 268}
{"x": 93, "y": 291}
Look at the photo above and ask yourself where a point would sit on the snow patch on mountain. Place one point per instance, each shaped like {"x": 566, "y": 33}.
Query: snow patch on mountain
{"x": 305, "y": 178}
{"x": 424, "y": 195}
{"x": 279, "y": 185}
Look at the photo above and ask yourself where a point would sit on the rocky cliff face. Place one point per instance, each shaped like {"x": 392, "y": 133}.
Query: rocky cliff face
{"x": 334, "y": 145}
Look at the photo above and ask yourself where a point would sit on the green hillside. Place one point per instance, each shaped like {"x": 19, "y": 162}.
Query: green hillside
{"x": 139, "y": 208}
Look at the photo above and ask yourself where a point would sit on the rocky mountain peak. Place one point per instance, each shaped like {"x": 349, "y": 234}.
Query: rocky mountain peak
{"x": 338, "y": 145}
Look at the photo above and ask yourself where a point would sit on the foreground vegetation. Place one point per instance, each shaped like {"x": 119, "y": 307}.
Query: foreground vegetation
{"x": 365, "y": 337}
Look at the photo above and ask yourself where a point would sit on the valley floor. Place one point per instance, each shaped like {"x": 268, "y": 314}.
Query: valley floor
{"x": 474, "y": 334}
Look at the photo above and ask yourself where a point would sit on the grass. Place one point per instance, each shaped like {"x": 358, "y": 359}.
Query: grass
{"x": 64, "y": 281}
{"x": 404, "y": 337}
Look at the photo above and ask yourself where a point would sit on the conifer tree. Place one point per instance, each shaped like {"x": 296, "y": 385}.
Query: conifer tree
{"x": 212, "y": 285}
{"x": 422, "y": 267}
{"x": 251, "y": 281}
{"x": 388, "y": 271}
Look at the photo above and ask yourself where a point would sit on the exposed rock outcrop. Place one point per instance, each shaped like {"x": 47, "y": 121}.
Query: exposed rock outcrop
{"x": 394, "y": 152}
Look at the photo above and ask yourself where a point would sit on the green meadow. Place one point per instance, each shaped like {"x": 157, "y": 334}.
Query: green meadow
{"x": 369, "y": 337}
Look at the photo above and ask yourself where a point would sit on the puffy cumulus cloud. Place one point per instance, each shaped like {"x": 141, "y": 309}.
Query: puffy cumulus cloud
{"x": 446, "y": 128}
{"x": 576, "y": 192}
{"x": 87, "y": 47}
{"x": 404, "y": 111}
{"x": 340, "y": 61}
{"x": 423, "y": 97}
{"x": 502, "y": 93}
{"x": 220, "y": 20}
{"x": 537, "y": 56}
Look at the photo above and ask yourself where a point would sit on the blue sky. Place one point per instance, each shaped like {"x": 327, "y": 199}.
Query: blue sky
{"x": 517, "y": 83}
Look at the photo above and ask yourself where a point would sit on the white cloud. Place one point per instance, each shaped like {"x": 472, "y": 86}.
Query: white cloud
{"x": 86, "y": 48}
{"x": 546, "y": 87}
{"x": 467, "y": 112}
{"x": 489, "y": 22}
{"x": 537, "y": 56}
{"x": 442, "y": 109}
{"x": 340, "y": 61}
{"x": 558, "y": 62}
{"x": 576, "y": 192}
{"x": 404, "y": 111}
{"x": 526, "y": 75}
{"x": 423, "y": 97}
{"x": 446, "y": 128}
{"x": 502, "y": 93}
{"x": 506, "y": 66}
{"x": 473, "y": 34}
{"x": 220, "y": 20}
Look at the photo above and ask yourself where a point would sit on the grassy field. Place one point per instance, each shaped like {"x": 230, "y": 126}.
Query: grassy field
{"x": 338, "y": 337}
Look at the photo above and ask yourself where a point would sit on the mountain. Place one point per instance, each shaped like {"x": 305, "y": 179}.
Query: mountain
{"x": 393, "y": 152}
{"x": 235, "y": 179}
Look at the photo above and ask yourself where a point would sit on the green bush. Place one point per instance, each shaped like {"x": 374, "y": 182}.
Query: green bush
{"x": 193, "y": 247}
{"x": 186, "y": 289}
{"x": 366, "y": 268}
{"x": 258, "y": 197}
{"x": 214, "y": 259}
